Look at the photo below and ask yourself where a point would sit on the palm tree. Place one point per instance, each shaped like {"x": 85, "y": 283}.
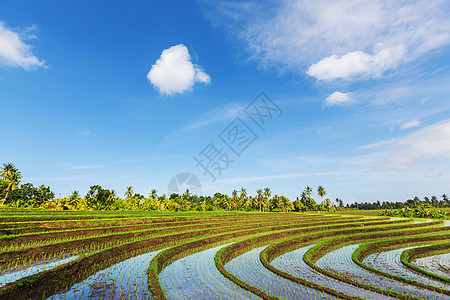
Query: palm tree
{"x": 186, "y": 194}
{"x": 308, "y": 192}
{"x": 321, "y": 192}
{"x": 8, "y": 168}
{"x": 259, "y": 194}
{"x": 154, "y": 194}
{"x": 12, "y": 179}
{"x": 243, "y": 195}
{"x": 112, "y": 196}
{"x": 267, "y": 194}
{"x": 234, "y": 194}
{"x": 129, "y": 193}
{"x": 445, "y": 198}
{"x": 225, "y": 202}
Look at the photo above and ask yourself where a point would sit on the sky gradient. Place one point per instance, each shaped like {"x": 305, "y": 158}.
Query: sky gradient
{"x": 131, "y": 94}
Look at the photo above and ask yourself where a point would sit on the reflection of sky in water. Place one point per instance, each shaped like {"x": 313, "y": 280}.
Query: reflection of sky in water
{"x": 249, "y": 268}
{"x": 292, "y": 263}
{"x": 13, "y": 276}
{"x": 340, "y": 261}
{"x": 196, "y": 276}
{"x": 438, "y": 264}
{"x": 125, "y": 280}
{"x": 389, "y": 262}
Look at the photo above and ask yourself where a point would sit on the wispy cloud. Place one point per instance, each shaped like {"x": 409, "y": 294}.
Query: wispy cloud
{"x": 296, "y": 34}
{"x": 410, "y": 124}
{"x": 84, "y": 167}
{"x": 431, "y": 142}
{"x": 61, "y": 178}
{"x": 434, "y": 173}
{"x": 84, "y": 132}
{"x": 242, "y": 180}
{"x": 14, "y": 52}
{"x": 213, "y": 116}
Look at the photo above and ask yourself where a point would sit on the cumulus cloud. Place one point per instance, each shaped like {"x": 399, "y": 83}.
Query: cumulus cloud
{"x": 357, "y": 64}
{"x": 411, "y": 124}
{"x": 14, "y": 52}
{"x": 431, "y": 142}
{"x": 174, "y": 73}
{"x": 338, "y": 98}
{"x": 295, "y": 34}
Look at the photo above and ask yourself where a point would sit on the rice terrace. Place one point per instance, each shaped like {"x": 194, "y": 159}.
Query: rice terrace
{"x": 51, "y": 254}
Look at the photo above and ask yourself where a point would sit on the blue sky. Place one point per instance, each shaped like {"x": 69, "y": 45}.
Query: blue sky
{"x": 118, "y": 94}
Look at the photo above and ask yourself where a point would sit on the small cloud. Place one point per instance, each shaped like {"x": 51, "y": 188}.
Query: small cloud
{"x": 411, "y": 124}
{"x": 357, "y": 64}
{"x": 83, "y": 131}
{"x": 84, "y": 167}
{"x": 14, "y": 52}
{"x": 434, "y": 173}
{"x": 338, "y": 98}
{"x": 174, "y": 73}
{"x": 425, "y": 99}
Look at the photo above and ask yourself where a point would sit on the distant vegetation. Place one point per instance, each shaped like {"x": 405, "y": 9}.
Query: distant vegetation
{"x": 418, "y": 212}
{"x": 14, "y": 193}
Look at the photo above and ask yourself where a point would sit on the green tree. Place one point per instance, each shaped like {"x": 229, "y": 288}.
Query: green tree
{"x": 235, "y": 197}
{"x": 225, "y": 202}
{"x": 129, "y": 193}
{"x": 267, "y": 194}
{"x": 12, "y": 177}
{"x": 259, "y": 196}
{"x": 243, "y": 196}
{"x": 7, "y": 169}
{"x": 307, "y": 200}
{"x": 98, "y": 198}
{"x": 321, "y": 192}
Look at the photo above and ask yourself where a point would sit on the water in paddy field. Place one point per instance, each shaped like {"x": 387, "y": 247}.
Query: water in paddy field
{"x": 389, "y": 262}
{"x": 125, "y": 280}
{"x": 249, "y": 269}
{"x": 196, "y": 277}
{"x": 292, "y": 263}
{"x": 438, "y": 264}
{"x": 11, "y": 275}
{"x": 340, "y": 262}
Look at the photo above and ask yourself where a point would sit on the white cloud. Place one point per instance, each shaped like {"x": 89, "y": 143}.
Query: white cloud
{"x": 14, "y": 52}
{"x": 338, "y": 98}
{"x": 411, "y": 124}
{"x": 431, "y": 142}
{"x": 174, "y": 73}
{"x": 294, "y": 34}
{"x": 434, "y": 173}
{"x": 357, "y": 64}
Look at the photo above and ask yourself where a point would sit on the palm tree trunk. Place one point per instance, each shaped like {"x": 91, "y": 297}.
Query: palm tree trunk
{"x": 6, "y": 196}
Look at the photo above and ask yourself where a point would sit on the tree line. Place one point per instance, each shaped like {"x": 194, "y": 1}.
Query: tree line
{"x": 15, "y": 194}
